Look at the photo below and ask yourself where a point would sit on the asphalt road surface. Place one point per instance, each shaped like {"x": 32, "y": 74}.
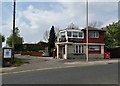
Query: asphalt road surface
{"x": 98, "y": 74}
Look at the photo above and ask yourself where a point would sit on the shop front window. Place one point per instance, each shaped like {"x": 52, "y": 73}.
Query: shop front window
{"x": 78, "y": 49}
{"x": 94, "y": 47}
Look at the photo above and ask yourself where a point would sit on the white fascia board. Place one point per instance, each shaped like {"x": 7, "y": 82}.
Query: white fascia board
{"x": 96, "y": 44}
{"x": 80, "y": 43}
{"x": 73, "y": 30}
{"x": 62, "y": 30}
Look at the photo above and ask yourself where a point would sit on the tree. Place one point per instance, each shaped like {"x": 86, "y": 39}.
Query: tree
{"x": 2, "y": 38}
{"x": 17, "y": 38}
{"x": 46, "y": 34}
{"x": 51, "y": 41}
{"x": 112, "y": 36}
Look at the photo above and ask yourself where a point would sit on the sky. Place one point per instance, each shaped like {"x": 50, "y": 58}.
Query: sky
{"x": 35, "y": 17}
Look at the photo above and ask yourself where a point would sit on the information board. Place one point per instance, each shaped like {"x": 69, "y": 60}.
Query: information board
{"x": 7, "y": 53}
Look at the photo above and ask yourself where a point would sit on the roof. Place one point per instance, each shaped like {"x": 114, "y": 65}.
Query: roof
{"x": 70, "y": 29}
{"x": 7, "y": 47}
{"x": 93, "y": 29}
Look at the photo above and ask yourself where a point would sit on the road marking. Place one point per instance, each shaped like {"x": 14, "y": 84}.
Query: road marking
{"x": 37, "y": 70}
{"x": 7, "y": 69}
{"x": 93, "y": 62}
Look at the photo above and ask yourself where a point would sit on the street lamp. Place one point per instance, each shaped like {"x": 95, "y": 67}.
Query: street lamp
{"x": 87, "y": 56}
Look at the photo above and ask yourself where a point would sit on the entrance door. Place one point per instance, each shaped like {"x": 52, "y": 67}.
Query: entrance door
{"x": 63, "y": 52}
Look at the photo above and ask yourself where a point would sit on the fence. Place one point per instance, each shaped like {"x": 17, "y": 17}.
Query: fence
{"x": 114, "y": 52}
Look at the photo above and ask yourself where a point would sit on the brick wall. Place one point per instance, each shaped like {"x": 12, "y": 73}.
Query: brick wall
{"x": 32, "y": 53}
{"x": 95, "y": 40}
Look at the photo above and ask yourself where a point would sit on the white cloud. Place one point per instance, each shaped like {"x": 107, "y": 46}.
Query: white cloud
{"x": 33, "y": 22}
{"x": 40, "y": 20}
{"x": 7, "y": 28}
{"x": 61, "y": 0}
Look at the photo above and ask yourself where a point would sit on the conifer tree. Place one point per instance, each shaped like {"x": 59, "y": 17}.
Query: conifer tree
{"x": 51, "y": 41}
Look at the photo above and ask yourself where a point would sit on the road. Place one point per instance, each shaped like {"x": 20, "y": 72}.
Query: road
{"x": 98, "y": 74}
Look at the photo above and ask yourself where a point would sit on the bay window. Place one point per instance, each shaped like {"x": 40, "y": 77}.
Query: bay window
{"x": 75, "y": 34}
{"x": 80, "y": 34}
{"x": 62, "y": 34}
{"x": 69, "y": 34}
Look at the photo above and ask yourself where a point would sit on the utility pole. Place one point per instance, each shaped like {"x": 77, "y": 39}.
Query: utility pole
{"x": 87, "y": 56}
{"x": 13, "y": 40}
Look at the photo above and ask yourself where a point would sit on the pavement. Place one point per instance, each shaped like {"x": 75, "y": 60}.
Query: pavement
{"x": 44, "y": 63}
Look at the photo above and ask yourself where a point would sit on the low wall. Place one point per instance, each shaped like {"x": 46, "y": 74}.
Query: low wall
{"x": 96, "y": 56}
{"x": 83, "y": 56}
{"x": 32, "y": 53}
{"x": 76, "y": 56}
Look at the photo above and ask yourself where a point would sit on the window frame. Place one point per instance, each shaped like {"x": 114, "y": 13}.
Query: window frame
{"x": 78, "y": 49}
{"x": 71, "y": 36}
{"x": 81, "y": 34}
{"x": 70, "y": 33}
{"x": 93, "y": 46}
{"x": 62, "y": 34}
{"x": 95, "y": 34}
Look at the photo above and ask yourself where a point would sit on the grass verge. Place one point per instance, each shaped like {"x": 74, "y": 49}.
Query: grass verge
{"x": 17, "y": 62}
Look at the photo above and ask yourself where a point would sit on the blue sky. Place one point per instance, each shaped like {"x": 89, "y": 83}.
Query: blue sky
{"x": 34, "y": 18}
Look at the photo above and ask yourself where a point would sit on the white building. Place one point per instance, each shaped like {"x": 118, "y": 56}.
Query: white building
{"x": 71, "y": 43}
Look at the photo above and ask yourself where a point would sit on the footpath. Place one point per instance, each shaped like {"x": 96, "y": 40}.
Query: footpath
{"x": 44, "y": 63}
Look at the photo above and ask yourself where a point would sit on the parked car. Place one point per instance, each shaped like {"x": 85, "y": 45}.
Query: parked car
{"x": 45, "y": 54}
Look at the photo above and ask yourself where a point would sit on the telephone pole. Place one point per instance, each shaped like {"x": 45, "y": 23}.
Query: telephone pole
{"x": 13, "y": 40}
{"x": 87, "y": 56}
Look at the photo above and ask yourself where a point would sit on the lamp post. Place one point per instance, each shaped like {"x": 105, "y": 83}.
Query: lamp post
{"x": 13, "y": 39}
{"x": 87, "y": 56}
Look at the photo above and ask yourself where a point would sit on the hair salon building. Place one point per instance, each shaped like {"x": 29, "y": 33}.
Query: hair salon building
{"x": 71, "y": 43}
